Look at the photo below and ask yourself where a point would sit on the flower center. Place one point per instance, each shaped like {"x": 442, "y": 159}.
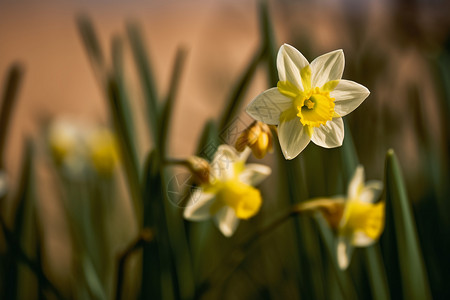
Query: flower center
{"x": 244, "y": 199}
{"x": 315, "y": 107}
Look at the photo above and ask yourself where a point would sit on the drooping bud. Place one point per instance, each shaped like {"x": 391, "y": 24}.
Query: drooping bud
{"x": 200, "y": 169}
{"x": 257, "y": 137}
{"x": 331, "y": 209}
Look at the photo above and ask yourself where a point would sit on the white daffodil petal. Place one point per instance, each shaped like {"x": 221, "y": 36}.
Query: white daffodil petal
{"x": 226, "y": 220}
{"x": 356, "y": 183}
{"x": 254, "y": 174}
{"x": 289, "y": 63}
{"x": 348, "y": 96}
{"x": 293, "y": 138}
{"x": 268, "y": 106}
{"x": 329, "y": 135}
{"x": 198, "y": 206}
{"x": 222, "y": 166}
{"x": 327, "y": 67}
{"x": 371, "y": 192}
{"x": 344, "y": 252}
{"x": 360, "y": 239}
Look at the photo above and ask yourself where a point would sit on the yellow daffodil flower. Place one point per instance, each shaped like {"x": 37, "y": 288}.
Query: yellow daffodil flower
{"x": 309, "y": 101}
{"x": 103, "y": 151}
{"x": 362, "y": 220}
{"x": 230, "y": 194}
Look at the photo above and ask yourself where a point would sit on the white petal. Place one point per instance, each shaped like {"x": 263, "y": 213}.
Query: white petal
{"x": 245, "y": 154}
{"x": 329, "y": 135}
{"x": 222, "y": 165}
{"x": 372, "y": 191}
{"x": 226, "y": 220}
{"x": 356, "y": 183}
{"x": 293, "y": 138}
{"x": 289, "y": 63}
{"x": 268, "y": 106}
{"x": 254, "y": 174}
{"x": 327, "y": 67}
{"x": 198, "y": 206}
{"x": 360, "y": 239}
{"x": 344, "y": 252}
{"x": 348, "y": 96}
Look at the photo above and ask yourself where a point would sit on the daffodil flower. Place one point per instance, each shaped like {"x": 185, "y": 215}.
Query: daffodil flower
{"x": 309, "y": 101}
{"x": 362, "y": 220}
{"x": 230, "y": 194}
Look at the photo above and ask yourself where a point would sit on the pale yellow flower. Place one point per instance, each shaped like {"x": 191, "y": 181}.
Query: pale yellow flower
{"x": 309, "y": 101}
{"x": 230, "y": 194}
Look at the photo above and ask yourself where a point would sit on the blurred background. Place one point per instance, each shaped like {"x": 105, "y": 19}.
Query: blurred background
{"x": 399, "y": 49}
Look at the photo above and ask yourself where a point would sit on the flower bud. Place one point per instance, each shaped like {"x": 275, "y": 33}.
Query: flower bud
{"x": 200, "y": 169}
{"x": 257, "y": 137}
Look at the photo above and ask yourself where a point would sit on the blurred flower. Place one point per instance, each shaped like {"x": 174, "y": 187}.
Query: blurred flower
{"x": 66, "y": 141}
{"x": 103, "y": 151}
{"x": 200, "y": 169}
{"x": 230, "y": 195}
{"x": 362, "y": 220}
{"x": 258, "y": 137}
{"x": 309, "y": 101}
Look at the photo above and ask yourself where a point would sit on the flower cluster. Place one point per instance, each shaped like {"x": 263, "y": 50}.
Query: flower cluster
{"x": 307, "y": 105}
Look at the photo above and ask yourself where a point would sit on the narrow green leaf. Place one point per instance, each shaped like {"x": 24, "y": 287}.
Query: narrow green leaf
{"x": 376, "y": 272}
{"x": 143, "y": 65}
{"x": 10, "y": 90}
{"x": 343, "y": 279}
{"x": 93, "y": 47}
{"x": 122, "y": 120}
{"x": 166, "y": 115}
{"x": 234, "y": 103}
{"x": 209, "y": 141}
{"x": 400, "y": 219}
{"x": 159, "y": 279}
{"x": 21, "y": 223}
{"x": 269, "y": 42}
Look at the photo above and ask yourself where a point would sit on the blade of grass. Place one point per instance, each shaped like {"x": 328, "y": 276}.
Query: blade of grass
{"x": 146, "y": 76}
{"x": 399, "y": 218}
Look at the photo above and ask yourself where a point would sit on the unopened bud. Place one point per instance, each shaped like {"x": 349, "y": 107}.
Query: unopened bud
{"x": 200, "y": 169}
{"x": 331, "y": 209}
{"x": 257, "y": 137}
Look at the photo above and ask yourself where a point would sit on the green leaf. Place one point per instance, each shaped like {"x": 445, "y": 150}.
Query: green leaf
{"x": 143, "y": 65}
{"x": 166, "y": 115}
{"x": 123, "y": 125}
{"x": 269, "y": 42}
{"x": 10, "y": 90}
{"x": 93, "y": 48}
{"x": 159, "y": 279}
{"x": 236, "y": 98}
{"x": 401, "y": 233}
{"x": 23, "y": 222}
{"x": 209, "y": 141}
